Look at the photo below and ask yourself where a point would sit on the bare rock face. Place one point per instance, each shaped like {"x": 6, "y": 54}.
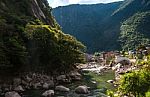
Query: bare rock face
{"x": 12, "y": 94}
{"x": 82, "y": 90}
{"x": 62, "y": 88}
{"x": 48, "y": 93}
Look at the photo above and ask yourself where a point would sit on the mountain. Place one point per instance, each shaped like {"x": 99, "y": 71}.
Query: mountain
{"x": 98, "y": 26}
{"x": 135, "y": 31}
{"x": 87, "y": 23}
{"x": 31, "y": 39}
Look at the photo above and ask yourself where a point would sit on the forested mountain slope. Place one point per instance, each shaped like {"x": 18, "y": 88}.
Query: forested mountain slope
{"x": 88, "y": 23}
{"x": 98, "y": 26}
{"x": 135, "y": 31}
{"x": 31, "y": 40}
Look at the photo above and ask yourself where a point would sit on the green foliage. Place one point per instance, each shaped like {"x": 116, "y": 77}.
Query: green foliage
{"x": 30, "y": 42}
{"x": 90, "y": 24}
{"x": 51, "y": 48}
{"x": 136, "y": 83}
{"x": 98, "y": 26}
{"x": 147, "y": 94}
{"x": 135, "y": 31}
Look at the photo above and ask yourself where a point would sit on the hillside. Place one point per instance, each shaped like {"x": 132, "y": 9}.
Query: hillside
{"x": 31, "y": 39}
{"x": 135, "y": 31}
{"x": 89, "y": 24}
{"x": 98, "y": 29}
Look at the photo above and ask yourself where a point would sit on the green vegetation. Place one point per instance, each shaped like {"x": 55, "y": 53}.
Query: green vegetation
{"x": 91, "y": 24}
{"x": 51, "y": 48}
{"x": 30, "y": 41}
{"x": 135, "y": 31}
{"x": 98, "y": 26}
{"x": 136, "y": 83}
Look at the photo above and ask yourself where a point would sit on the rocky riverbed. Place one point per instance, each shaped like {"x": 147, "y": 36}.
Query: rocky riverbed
{"x": 90, "y": 82}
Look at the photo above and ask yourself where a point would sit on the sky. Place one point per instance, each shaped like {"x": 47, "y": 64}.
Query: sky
{"x": 56, "y": 3}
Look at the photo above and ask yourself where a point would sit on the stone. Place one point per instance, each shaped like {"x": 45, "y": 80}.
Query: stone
{"x": 6, "y": 87}
{"x": 12, "y": 94}
{"x": 61, "y": 77}
{"x": 51, "y": 83}
{"x": 37, "y": 85}
{"x": 82, "y": 90}
{"x": 19, "y": 89}
{"x": 110, "y": 81}
{"x": 62, "y": 88}
{"x": 28, "y": 79}
{"x": 75, "y": 76}
{"x": 94, "y": 82}
{"x": 16, "y": 81}
{"x": 48, "y": 93}
{"x": 45, "y": 86}
{"x": 74, "y": 73}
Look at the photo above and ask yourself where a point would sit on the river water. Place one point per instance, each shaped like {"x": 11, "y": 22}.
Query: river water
{"x": 97, "y": 83}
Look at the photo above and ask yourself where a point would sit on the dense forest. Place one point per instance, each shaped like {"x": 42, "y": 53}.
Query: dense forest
{"x": 98, "y": 26}
{"x": 31, "y": 40}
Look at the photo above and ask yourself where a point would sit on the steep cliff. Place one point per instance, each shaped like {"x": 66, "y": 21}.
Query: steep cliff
{"x": 31, "y": 39}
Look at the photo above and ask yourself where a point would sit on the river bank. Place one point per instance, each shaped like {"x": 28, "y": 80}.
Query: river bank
{"x": 34, "y": 85}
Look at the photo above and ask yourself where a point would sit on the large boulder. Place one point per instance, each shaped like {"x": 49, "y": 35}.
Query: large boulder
{"x": 12, "y": 94}
{"x": 48, "y": 93}
{"x": 19, "y": 89}
{"x": 62, "y": 88}
{"x": 82, "y": 90}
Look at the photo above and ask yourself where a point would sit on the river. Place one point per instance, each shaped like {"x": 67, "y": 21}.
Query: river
{"x": 97, "y": 83}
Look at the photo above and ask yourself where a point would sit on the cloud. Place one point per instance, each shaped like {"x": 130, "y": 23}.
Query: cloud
{"x": 56, "y": 3}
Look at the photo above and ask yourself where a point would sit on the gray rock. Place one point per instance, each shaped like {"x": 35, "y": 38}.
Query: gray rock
{"x": 19, "y": 89}
{"x": 62, "y": 88}
{"x": 6, "y": 87}
{"x": 82, "y": 90}
{"x": 37, "y": 85}
{"x": 16, "y": 81}
{"x": 74, "y": 73}
{"x": 75, "y": 76}
{"x": 45, "y": 86}
{"x": 28, "y": 79}
{"x": 61, "y": 77}
{"x": 51, "y": 83}
{"x": 48, "y": 93}
{"x": 12, "y": 94}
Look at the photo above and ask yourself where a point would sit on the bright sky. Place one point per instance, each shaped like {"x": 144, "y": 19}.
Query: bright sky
{"x": 56, "y": 3}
